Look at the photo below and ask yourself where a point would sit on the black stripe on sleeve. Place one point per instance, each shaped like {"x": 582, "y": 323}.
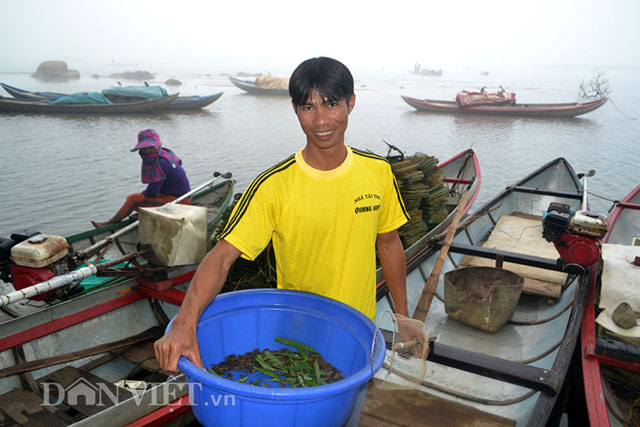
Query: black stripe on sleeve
{"x": 251, "y": 191}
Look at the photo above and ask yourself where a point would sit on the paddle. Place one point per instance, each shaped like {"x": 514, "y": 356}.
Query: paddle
{"x": 432, "y": 282}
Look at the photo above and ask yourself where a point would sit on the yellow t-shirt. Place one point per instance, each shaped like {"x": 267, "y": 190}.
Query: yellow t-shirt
{"x": 323, "y": 224}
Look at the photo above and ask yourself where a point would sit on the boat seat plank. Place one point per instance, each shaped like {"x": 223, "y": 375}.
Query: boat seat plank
{"x": 413, "y": 408}
{"x": 142, "y": 354}
{"x": 21, "y": 407}
{"x": 523, "y": 234}
{"x": 83, "y": 390}
{"x": 531, "y": 190}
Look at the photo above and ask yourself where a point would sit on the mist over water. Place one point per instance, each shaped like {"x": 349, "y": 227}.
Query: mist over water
{"x": 62, "y": 171}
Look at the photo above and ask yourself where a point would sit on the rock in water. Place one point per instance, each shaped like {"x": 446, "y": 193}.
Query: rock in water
{"x": 133, "y": 75}
{"x": 173, "y": 82}
{"x": 55, "y": 71}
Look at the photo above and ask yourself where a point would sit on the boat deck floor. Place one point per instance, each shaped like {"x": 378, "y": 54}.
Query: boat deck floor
{"x": 84, "y": 393}
{"x": 522, "y": 233}
{"x": 394, "y": 408}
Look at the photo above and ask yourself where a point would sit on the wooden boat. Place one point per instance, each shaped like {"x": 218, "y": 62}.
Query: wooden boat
{"x": 512, "y": 377}
{"x": 571, "y": 109}
{"x": 71, "y": 353}
{"x": 251, "y": 87}
{"x": 215, "y": 196}
{"x": 154, "y": 105}
{"x": 417, "y": 69}
{"x": 181, "y": 103}
{"x": 604, "y": 354}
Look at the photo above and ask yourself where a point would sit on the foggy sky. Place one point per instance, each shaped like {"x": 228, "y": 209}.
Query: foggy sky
{"x": 438, "y": 34}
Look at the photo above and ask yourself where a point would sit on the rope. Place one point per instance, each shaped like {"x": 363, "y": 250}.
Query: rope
{"x": 614, "y": 202}
{"x": 619, "y": 111}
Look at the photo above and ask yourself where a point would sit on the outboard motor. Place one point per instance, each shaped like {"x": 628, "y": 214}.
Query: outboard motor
{"x": 34, "y": 258}
{"x": 576, "y": 235}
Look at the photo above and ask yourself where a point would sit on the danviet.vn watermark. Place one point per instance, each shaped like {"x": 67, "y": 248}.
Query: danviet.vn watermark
{"x": 104, "y": 394}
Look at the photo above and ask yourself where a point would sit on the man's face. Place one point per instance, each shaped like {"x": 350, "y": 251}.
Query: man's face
{"x": 324, "y": 122}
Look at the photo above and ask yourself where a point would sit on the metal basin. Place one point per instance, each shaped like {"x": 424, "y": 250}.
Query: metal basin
{"x": 482, "y": 297}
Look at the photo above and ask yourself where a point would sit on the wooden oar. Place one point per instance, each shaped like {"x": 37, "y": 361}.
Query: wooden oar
{"x": 432, "y": 282}
{"x": 31, "y": 365}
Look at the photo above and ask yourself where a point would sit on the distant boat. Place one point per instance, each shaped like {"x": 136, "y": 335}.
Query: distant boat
{"x": 417, "y": 69}
{"x": 251, "y": 87}
{"x": 193, "y": 102}
{"x": 571, "y": 109}
{"x": 153, "y": 105}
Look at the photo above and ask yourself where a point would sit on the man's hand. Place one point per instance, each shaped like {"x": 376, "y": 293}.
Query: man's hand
{"x": 179, "y": 341}
{"x": 182, "y": 340}
{"x": 413, "y": 337}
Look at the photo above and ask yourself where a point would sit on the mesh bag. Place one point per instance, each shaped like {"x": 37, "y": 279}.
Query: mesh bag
{"x": 407, "y": 347}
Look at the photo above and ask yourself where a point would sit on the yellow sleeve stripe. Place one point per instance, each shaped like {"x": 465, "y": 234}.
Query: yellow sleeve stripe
{"x": 395, "y": 183}
{"x": 250, "y": 192}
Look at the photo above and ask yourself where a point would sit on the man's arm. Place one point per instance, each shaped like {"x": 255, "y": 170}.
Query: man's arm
{"x": 206, "y": 284}
{"x": 394, "y": 268}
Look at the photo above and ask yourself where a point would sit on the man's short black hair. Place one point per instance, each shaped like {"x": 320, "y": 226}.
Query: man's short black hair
{"x": 331, "y": 78}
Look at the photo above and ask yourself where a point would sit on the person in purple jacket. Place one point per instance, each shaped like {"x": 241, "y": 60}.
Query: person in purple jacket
{"x": 162, "y": 172}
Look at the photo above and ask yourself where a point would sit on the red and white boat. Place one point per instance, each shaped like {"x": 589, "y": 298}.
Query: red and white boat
{"x": 605, "y": 357}
{"x": 570, "y": 109}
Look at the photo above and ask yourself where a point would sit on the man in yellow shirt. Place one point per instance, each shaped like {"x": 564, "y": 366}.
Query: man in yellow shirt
{"x": 326, "y": 209}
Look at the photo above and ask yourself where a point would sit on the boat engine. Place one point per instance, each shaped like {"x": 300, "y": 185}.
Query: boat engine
{"x": 29, "y": 258}
{"x": 576, "y": 235}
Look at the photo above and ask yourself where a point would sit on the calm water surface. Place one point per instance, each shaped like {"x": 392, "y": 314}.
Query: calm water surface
{"x": 59, "y": 172}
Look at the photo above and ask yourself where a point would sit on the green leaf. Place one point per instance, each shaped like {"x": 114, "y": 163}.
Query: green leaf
{"x": 264, "y": 364}
{"x": 298, "y": 345}
{"x": 269, "y": 373}
{"x": 273, "y": 358}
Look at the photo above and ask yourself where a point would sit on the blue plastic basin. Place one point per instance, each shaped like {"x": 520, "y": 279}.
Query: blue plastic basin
{"x": 238, "y": 322}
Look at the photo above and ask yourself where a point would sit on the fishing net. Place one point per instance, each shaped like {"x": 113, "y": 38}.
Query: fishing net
{"x": 407, "y": 348}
